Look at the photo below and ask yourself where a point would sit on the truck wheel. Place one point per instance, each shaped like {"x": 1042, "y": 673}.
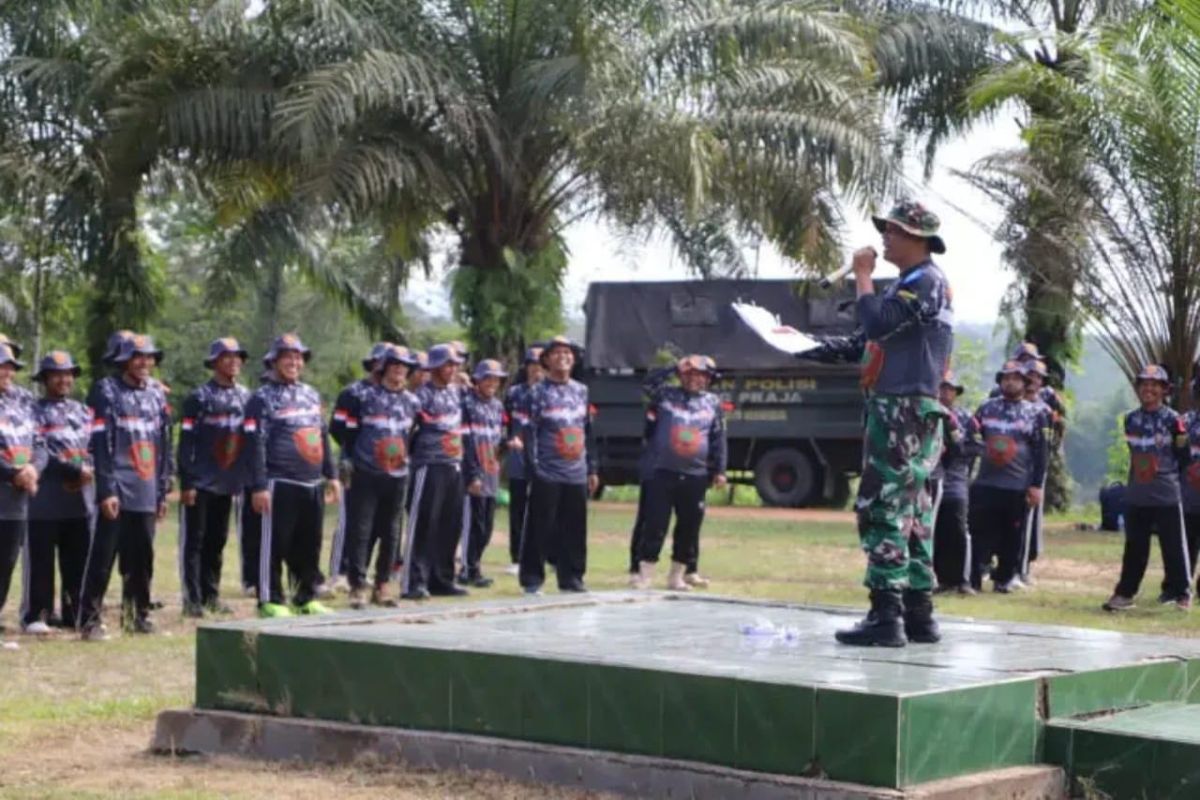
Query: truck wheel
{"x": 785, "y": 477}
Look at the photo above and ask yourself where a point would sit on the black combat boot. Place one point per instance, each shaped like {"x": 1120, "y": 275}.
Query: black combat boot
{"x": 919, "y": 625}
{"x": 883, "y": 625}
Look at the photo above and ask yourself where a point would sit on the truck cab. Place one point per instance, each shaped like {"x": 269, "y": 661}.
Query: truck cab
{"x": 794, "y": 425}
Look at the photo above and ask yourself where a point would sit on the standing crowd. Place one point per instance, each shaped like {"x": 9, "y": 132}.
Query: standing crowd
{"x": 84, "y": 485}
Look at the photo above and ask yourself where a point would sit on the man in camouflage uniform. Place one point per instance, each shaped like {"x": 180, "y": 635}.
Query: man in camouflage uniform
{"x": 905, "y": 342}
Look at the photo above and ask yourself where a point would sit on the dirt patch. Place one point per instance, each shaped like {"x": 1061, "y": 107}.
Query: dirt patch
{"x": 113, "y": 761}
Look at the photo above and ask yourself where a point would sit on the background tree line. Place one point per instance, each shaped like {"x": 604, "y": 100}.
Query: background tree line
{"x": 247, "y": 165}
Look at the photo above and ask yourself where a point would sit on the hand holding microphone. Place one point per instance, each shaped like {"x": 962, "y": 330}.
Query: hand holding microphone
{"x": 863, "y": 262}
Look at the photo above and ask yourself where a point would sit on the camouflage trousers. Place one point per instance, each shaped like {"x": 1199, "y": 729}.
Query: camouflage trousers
{"x": 901, "y": 447}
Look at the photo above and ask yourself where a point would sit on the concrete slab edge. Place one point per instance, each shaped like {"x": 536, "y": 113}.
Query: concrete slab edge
{"x": 191, "y": 731}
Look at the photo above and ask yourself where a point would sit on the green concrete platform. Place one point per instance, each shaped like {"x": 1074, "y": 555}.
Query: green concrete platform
{"x": 1153, "y": 751}
{"x": 673, "y": 677}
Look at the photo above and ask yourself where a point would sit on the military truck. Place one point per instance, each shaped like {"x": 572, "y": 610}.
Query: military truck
{"x": 795, "y": 426}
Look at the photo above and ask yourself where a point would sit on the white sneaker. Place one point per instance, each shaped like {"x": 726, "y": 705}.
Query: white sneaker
{"x": 512, "y": 569}
{"x": 341, "y": 585}
{"x": 694, "y": 579}
{"x": 644, "y": 577}
{"x": 38, "y": 628}
{"x": 675, "y": 581}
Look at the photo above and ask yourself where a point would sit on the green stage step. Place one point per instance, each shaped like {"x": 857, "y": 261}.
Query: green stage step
{"x": 1148, "y": 752}
{"x": 674, "y": 676}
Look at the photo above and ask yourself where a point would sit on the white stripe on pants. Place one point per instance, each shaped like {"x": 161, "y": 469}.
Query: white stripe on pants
{"x": 183, "y": 552}
{"x": 464, "y": 538}
{"x": 264, "y": 550}
{"x": 414, "y": 511}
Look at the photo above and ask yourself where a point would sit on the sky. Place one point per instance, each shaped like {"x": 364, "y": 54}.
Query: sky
{"x": 972, "y": 261}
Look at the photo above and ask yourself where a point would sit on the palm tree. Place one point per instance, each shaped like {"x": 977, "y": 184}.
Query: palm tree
{"x": 102, "y": 96}
{"x": 1032, "y": 45}
{"x": 501, "y": 123}
{"x": 1133, "y": 113}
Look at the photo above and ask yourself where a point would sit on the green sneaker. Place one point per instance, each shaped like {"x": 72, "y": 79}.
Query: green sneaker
{"x": 314, "y": 607}
{"x": 273, "y": 610}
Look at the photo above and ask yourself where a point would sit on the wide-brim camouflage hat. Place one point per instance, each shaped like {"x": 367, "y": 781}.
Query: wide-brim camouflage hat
{"x": 915, "y": 220}
{"x": 1154, "y": 372}
{"x": 533, "y": 355}
{"x": 442, "y": 354}
{"x": 113, "y": 345}
{"x": 219, "y": 347}
{"x": 1036, "y": 367}
{"x": 372, "y": 360}
{"x": 488, "y": 368}
{"x": 14, "y": 346}
{"x": 1028, "y": 351}
{"x": 697, "y": 363}
{"x": 57, "y": 361}
{"x": 560, "y": 341}
{"x": 139, "y": 344}
{"x": 398, "y": 354}
{"x": 951, "y": 380}
{"x": 7, "y": 356}
{"x": 281, "y": 344}
{"x": 1012, "y": 367}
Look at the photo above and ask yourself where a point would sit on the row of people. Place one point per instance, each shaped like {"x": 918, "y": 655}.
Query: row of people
{"x": 996, "y": 514}
{"x": 100, "y": 474}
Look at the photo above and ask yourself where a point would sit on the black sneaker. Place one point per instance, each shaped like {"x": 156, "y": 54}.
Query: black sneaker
{"x": 574, "y": 587}
{"x": 449, "y": 591}
{"x": 140, "y": 625}
{"x": 217, "y": 607}
{"x": 193, "y": 611}
{"x": 482, "y": 582}
{"x": 419, "y": 593}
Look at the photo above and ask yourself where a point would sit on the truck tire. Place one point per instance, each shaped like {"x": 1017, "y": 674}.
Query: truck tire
{"x": 786, "y": 477}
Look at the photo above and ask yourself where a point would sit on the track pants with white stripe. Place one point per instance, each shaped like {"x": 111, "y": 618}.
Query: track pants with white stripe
{"x": 130, "y": 539}
{"x": 374, "y": 508}
{"x": 68, "y": 539}
{"x": 434, "y": 529}
{"x": 251, "y": 541}
{"x": 202, "y": 537}
{"x": 1191, "y": 528}
{"x": 558, "y": 525}
{"x": 518, "y": 501}
{"x": 952, "y": 543}
{"x": 12, "y": 535}
{"x": 478, "y": 521}
{"x": 1142, "y": 522}
{"x": 291, "y": 535}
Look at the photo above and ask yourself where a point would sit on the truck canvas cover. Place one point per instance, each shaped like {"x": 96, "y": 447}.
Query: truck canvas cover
{"x": 630, "y": 324}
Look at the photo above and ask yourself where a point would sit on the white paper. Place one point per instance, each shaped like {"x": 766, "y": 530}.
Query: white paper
{"x": 772, "y": 331}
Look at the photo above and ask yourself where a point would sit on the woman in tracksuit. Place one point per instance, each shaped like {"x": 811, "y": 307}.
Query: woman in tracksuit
{"x": 436, "y": 499}
{"x": 516, "y": 410}
{"x": 60, "y": 513}
{"x": 212, "y": 474}
{"x": 378, "y": 421}
{"x": 562, "y": 461}
{"x": 685, "y": 432}
{"x": 289, "y": 461}
{"x": 1158, "y": 451}
{"x": 18, "y": 475}
{"x": 483, "y": 423}
{"x": 131, "y": 437}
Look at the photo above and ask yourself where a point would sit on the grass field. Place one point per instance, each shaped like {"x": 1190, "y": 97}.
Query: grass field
{"x": 75, "y": 718}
